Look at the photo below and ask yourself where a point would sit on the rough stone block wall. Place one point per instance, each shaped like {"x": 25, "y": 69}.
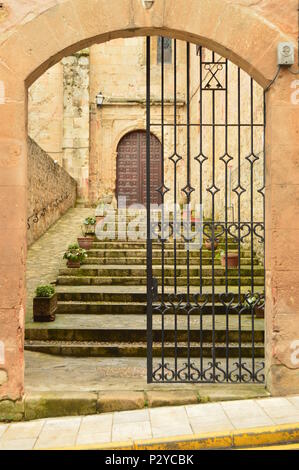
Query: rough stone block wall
{"x": 51, "y": 192}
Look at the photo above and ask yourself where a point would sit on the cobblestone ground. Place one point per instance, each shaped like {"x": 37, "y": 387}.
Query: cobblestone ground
{"x": 45, "y": 255}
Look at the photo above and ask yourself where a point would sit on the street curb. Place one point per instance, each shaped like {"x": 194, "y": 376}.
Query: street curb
{"x": 55, "y": 404}
{"x": 238, "y": 439}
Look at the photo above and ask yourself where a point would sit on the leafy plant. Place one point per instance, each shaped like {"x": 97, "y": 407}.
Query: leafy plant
{"x": 75, "y": 253}
{"x": 45, "y": 291}
{"x": 90, "y": 221}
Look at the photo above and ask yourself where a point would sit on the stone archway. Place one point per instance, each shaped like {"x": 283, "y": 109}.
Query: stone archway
{"x": 55, "y": 29}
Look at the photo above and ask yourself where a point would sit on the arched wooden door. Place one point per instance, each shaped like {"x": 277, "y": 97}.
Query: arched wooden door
{"x": 131, "y": 168}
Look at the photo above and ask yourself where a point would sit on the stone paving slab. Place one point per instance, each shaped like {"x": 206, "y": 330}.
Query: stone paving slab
{"x": 44, "y": 257}
{"x": 146, "y": 424}
{"x": 44, "y": 373}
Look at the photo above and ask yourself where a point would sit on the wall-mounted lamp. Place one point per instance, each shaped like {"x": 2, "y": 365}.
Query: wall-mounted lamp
{"x": 147, "y": 3}
{"x": 99, "y": 99}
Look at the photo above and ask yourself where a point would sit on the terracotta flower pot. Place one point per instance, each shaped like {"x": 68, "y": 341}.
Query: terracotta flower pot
{"x": 259, "y": 311}
{"x": 73, "y": 264}
{"x": 208, "y": 244}
{"x": 99, "y": 218}
{"x": 44, "y": 308}
{"x": 85, "y": 242}
{"x": 232, "y": 260}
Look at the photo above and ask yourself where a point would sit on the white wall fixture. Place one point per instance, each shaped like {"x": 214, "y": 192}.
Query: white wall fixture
{"x": 147, "y": 4}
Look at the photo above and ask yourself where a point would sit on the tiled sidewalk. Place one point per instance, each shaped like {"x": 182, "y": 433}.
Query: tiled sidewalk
{"x": 149, "y": 423}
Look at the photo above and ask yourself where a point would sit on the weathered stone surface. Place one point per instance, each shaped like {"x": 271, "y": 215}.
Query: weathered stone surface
{"x": 51, "y": 404}
{"x": 3, "y": 376}
{"x": 120, "y": 401}
{"x": 11, "y": 410}
{"x": 155, "y": 399}
{"x": 47, "y": 183}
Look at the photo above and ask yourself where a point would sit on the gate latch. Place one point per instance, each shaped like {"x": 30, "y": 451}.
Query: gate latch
{"x": 154, "y": 289}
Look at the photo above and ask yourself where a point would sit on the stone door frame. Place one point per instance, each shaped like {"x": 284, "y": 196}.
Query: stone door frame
{"x": 53, "y": 32}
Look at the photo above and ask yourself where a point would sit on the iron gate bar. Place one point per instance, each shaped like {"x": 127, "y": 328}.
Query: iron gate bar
{"x": 149, "y": 248}
{"x": 181, "y": 302}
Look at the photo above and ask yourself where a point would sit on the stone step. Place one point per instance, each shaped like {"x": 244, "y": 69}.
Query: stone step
{"x": 142, "y": 281}
{"x": 96, "y": 349}
{"x": 129, "y": 294}
{"x": 141, "y": 245}
{"x": 157, "y": 260}
{"x": 132, "y": 308}
{"x": 130, "y": 328}
{"x": 134, "y": 271}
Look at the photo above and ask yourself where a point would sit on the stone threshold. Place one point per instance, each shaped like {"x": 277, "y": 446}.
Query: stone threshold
{"x": 52, "y": 404}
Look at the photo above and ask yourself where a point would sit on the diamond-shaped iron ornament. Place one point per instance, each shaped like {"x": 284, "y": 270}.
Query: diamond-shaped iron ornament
{"x": 226, "y": 158}
{"x": 252, "y": 158}
{"x": 239, "y": 190}
{"x": 201, "y": 158}
{"x": 175, "y": 158}
{"x": 213, "y": 189}
{"x": 188, "y": 190}
{"x": 262, "y": 191}
{"x": 163, "y": 190}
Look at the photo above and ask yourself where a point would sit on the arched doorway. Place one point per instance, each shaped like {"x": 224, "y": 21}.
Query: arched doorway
{"x": 24, "y": 59}
{"x": 131, "y": 168}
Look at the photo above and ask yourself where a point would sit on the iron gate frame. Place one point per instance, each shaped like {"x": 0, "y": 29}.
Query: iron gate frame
{"x": 214, "y": 373}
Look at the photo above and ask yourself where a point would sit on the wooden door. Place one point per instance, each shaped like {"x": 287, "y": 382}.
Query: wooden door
{"x": 131, "y": 168}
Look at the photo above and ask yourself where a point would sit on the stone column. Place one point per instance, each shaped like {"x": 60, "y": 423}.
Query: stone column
{"x": 13, "y": 210}
{"x": 282, "y": 235}
{"x": 94, "y": 128}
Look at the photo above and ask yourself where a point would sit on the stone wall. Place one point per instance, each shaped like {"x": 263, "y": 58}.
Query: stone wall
{"x": 51, "y": 192}
{"x": 76, "y": 119}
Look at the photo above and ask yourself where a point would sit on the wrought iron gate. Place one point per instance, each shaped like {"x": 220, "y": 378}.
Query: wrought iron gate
{"x": 205, "y": 244}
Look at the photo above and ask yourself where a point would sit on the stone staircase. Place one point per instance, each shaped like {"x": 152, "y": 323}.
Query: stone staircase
{"x": 102, "y": 305}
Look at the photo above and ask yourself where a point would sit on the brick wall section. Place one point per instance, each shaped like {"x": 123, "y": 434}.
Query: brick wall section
{"x": 51, "y": 192}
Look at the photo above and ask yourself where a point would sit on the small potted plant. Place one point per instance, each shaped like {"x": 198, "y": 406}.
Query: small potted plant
{"x": 232, "y": 259}
{"x": 44, "y": 304}
{"x": 88, "y": 227}
{"x": 257, "y": 302}
{"x": 74, "y": 256}
{"x": 209, "y": 244}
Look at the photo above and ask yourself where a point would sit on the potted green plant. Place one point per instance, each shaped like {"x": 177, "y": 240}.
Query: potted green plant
{"x": 209, "y": 244}
{"x": 229, "y": 259}
{"x": 88, "y": 227}
{"x": 74, "y": 256}
{"x": 255, "y": 300}
{"x": 44, "y": 303}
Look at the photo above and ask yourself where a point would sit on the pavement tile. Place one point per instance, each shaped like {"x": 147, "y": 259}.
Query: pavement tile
{"x": 277, "y": 407}
{"x": 243, "y": 409}
{"x": 127, "y": 431}
{"x": 93, "y": 438}
{"x": 26, "y": 430}
{"x": 17, "y": 444}
{"x": 97, "y": 423}
{"x": 244, "y": 422}
{"x": 169, "y": 416}
{"x": 201, "y": 426}
{"x": 171, "y": 431}
{"x": 58, "y": 433}
{"x": 294, "y": 401}
{"x": 131, "y": 416}
{"x": 208, "y": 410}
{"x": 3, "y": 428}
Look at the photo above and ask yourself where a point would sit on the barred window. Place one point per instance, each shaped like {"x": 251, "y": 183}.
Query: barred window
{"x": 167, "y": 50}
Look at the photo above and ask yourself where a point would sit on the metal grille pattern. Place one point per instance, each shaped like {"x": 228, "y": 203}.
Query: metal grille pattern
{"x": 201, "y": 312}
